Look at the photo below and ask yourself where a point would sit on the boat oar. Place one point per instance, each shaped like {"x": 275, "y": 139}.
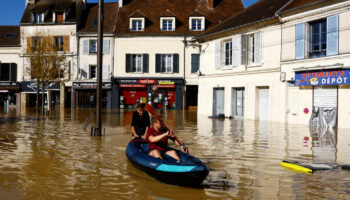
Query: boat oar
{"x": 154, "y": 113}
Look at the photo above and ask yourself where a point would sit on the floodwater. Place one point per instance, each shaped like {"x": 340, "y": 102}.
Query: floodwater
{"x": 54, "y": 158}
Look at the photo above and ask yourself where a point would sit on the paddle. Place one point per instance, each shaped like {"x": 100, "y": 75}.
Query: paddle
{"x": 153, "y": 112}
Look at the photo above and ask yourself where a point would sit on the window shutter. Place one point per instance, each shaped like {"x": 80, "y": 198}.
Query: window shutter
{"x": 158, "y": 61}
{"x": 244, "y": 50}
{"x": 85, "y": 72}
{"x": 257, "y": 49}
{"x": 105, "y": 72}
{"x": 176, "y": 63}
{"x": 85, "y": 47}
{"x": 218, "y": 55}
{"x": 194, "y": 62}
{"x": 332, "y": 35}
{"x": 29, "y": 45}
{"x": 127, "y": 63}
{"x": 145, "y": 63}
{"x": 13, "y": 72}
{"x": 105, "y": 46}
{"x": 236, "y": 51}
{"x": 66, "y": 43}
{"x": 300, "y": 41}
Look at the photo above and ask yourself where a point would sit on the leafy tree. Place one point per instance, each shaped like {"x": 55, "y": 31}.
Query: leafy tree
{"x": 48, "y": 63}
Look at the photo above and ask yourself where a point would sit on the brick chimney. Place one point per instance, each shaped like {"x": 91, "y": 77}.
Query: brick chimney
{"x": 211, "y": 3}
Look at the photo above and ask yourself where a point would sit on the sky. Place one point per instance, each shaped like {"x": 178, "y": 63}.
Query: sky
{"x": 11, "y": 11}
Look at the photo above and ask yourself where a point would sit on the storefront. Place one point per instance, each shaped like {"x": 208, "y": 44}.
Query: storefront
{"x": 84, "y": 94}
{"x": 326, "y": 86}
{"x": 9, "y": 94}
{"x": 29, "y": 92}
{"x": 160, "y": 93}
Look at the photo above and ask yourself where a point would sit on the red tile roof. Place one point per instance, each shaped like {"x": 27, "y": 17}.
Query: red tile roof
{"x": 182, "y": 9}
{"x": 297, "y": 4}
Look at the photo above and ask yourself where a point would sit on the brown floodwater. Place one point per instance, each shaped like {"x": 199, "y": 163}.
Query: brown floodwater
{"x": 54, "y": 158}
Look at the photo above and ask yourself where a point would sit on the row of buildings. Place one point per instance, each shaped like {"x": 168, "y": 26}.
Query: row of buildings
{"x": 284, "y": 61}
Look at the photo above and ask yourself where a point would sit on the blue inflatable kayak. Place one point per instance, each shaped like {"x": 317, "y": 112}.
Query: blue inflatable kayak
{"x": 189, "y": 172}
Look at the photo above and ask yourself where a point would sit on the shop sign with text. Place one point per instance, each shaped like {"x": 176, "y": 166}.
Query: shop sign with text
{"x": 324, "y": 77}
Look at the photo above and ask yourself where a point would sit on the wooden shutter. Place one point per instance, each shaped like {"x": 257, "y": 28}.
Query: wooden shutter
{"x": 127, "y": 62}
{"x": 236, "y": 51}
{"x": 218, "y": 55}
{"x": 300, "y": 41}
{"x": 105, "y": 46}
{"x": 158, "y": 62}
{"x": 145, "y": 63}
{"x": 257, "y": 47}
{"x": 105, "y": 72}
{"x": 85, "y": 47}
{"x": 176, "y": 63}
{"x": 29, "y": 45}
{"x": 244, "y": 50}
{"x": 13, "y": 69}
{"x": 194, "y": 62}
{"x": 66, "y": 43}
{"x": 332, "y": 35}
{"x": 51, "y": 43}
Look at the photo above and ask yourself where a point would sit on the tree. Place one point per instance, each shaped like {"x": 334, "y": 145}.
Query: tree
{"x": 48, "y": 63}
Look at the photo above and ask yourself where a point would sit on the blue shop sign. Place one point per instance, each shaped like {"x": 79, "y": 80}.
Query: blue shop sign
{"x": 324, "y": 77}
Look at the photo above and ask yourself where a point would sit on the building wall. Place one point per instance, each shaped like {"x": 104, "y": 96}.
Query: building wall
{"x": 301, "y": 97}
{"x": 11, "y": 55}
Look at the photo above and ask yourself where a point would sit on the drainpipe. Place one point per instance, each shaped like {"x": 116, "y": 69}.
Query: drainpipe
{"x": 185, "y": 89}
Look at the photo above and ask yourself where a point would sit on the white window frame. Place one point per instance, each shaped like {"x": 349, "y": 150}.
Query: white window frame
{"x": 230, "y": 50}
{"x": 90, "y": 45}
{"x": 41, "y": 18}
{"x": 167, "y": 63}
{"x": 202, "y": 19}
{"x": 137, "y": 19}
{"x": 172, "y": 19}
{"x": 137, "y": 63}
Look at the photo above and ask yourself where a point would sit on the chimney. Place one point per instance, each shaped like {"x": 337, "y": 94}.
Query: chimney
{"x": 211, "y": 3}
{"x": 120, "y": 3}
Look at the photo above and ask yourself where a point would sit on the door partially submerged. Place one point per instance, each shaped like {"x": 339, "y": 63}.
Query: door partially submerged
{"x": 219, "y": 102}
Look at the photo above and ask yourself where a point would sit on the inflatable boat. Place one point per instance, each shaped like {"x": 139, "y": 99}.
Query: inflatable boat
{"x": 189, "y": 172}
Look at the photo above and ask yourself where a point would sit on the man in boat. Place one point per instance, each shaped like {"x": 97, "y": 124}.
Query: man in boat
{"x": 158, "y": 141}
{"x": 140, "y": 122}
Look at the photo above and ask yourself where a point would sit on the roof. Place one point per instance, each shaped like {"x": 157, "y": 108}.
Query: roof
{"x": 260, "y": 11}
{"x": 89, "y": 18}
{"x": 9, "y": 36}
{"x": 153, "y": 10}
{"x": 49, "y": 7}
{"x": 298, "y": 4}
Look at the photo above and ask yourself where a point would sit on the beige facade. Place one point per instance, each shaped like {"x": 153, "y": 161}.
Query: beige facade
{"x": 298, "y": 98}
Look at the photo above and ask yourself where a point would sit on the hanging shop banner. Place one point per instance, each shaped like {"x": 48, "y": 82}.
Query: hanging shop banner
{"x": 324, "y": 77}
{"x": 90, "y": 85}
{"x": 32, "y": 86}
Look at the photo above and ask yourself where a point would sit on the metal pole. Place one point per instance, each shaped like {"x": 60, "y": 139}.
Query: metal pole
{"x": 99, "y": 68}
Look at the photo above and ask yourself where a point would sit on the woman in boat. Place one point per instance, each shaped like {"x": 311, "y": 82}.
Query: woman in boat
{"x": 158, "y": 141}
{"x": 140, "y": 122}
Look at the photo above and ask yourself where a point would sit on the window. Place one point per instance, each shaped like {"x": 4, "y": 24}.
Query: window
{"x": 59, "y": 17}
{"x": 92, "y": 46}
{"x": 323, "y": 38}
{"x": 10, "y": 35}
{"x": 8, "y": 72}
{"x": 137, "y": 63}
{"x": 136, "y": 25}
{"x": 195, "y": 62}
{"x": 251, "y": 49}
{"x": 59, "y": 43}
{"x": 228, "y": 53}
{"x": 92, "y": 71}
{"x": 36, "y": 42}
{"x": 318, "y": 39}
{"x": 167, "y": 63}
{"x": 38, "y": 18}
{"x": 167, "y": 24}
{"x": 196, "y": 23}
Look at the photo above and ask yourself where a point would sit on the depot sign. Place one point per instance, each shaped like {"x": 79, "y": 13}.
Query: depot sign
{"x": 324, "y": 77}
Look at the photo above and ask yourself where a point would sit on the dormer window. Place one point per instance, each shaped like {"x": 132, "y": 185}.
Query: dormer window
{"x": 137, "y": 24}
{"x": 38, "y": 18}
{"x": 197, "y": 23}
{"x": 167, "y": 24}
{"x": 59, "y": 17}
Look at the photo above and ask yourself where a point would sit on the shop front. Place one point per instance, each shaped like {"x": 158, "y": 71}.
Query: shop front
{"x": 84, "y": 94}
{"x": 29, "y": 91}
{"x": 9, "y": 94}
{"x": 160, "y": 93}
{"x": 328, "y": 87}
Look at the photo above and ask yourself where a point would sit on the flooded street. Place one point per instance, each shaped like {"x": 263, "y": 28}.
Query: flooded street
{"x": 54, "y": 158}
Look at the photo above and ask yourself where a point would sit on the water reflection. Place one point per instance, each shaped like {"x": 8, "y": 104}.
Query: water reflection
{"x": 52, "y": 157}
